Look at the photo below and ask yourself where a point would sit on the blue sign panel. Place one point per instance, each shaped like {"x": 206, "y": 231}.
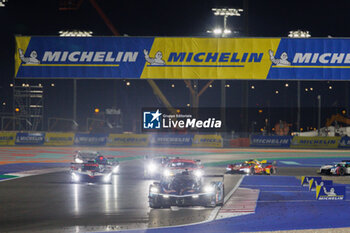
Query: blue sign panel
{"x": 311, "y": 59}
{"x": 30, "y": 138}
{"x": 171, "y": 140}
{"x": 270, "y": 141}
{"x": 83, "y": 139}
{"x": 331, "y": 193}
{"x": 344, "y": 142}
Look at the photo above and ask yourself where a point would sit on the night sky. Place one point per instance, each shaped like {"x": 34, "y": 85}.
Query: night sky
{"x": 169, "y": 18}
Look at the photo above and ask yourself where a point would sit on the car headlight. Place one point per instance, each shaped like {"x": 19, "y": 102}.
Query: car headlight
{"x": 107, "y": 178}
{"x": 116, "y": 169}
{"x": 75, "y": 177}
{"x": 209, "y": 189}
{"x": 167, "y": 173}
{"x": 195, "y": 196}
{"x": 154, "y": 190}
{"x": 152, "y": 167}
{"x": 198, "y": 173}
{"x": 78, "y": 160}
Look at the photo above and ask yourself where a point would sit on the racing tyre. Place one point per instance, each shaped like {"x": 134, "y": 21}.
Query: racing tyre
{"x": 342, "y": 171}
{"x": 252, "y": 171}
{"x": 272, "y": 171}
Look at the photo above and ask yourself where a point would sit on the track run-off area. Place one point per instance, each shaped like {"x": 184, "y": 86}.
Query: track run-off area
{"x": 36, "y": 194}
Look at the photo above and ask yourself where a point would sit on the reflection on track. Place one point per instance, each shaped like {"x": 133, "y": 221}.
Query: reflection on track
{"x": 51, "y": 203}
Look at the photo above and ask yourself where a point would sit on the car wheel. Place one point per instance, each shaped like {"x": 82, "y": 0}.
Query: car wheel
{"x": 272, "y": 171}
{"x": 154, "y": 204}
{"x": 252, "y": 171}
{"x": 342, "y": 171}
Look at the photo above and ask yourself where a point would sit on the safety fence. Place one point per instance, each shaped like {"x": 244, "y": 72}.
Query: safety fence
{"x": 11, "y": 138}
{"x": 103, "y": 139}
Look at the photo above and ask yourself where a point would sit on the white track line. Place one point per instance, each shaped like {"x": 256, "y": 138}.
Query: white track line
{"x": 233, "y": 190}
{"x": 216, "y": 210}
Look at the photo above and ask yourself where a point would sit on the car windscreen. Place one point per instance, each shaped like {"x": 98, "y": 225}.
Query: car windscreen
{"x": 183, "y": 164}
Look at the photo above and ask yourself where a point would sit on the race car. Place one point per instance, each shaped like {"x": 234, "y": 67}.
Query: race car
{"x": 177, "y": 165}
{"x": 341, "y": 168}
{"x": 251, "y": 167}
{"x": 93, "y": 167}
{"x": 91, "y": 172}
{"x": 81, "y": 157}
{"x": 154, "y": 166}
{"x": 185, "y": 189}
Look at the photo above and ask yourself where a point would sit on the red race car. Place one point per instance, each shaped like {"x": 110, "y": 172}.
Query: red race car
{"x": 252, "y": 167}
{"x": 175, "y": 166}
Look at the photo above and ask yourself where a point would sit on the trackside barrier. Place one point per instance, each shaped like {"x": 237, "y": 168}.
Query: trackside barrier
{"x": 207, "y": 141}
{"x": 30, "y": 138}
{"x": 128, "y": 140}
{"x": 330, "y": 193}
{"x": 270, "y": 141}
{"x": 240, "y": 142}
{"x": 7, "y": 138}
{"x": 315, "y": 142}
{"x": 85, "y": 139}
{"x": 164, "y": 139}
{"x": 59, "y": 139}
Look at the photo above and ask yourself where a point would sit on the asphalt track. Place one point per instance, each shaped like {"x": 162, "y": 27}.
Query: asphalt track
{"x": 50, "y": 203}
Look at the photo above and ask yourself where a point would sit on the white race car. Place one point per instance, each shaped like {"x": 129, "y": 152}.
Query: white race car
{"x": 341, "y": 168}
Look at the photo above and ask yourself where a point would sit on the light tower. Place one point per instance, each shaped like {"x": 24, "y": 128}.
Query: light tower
{"x": 225, "y": 12}
{"x": 299, "y": 34}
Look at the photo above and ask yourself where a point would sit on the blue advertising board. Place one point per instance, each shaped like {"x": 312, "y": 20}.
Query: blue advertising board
{"x": 331, "y": 193}
{"x": 182, "y": 58}
{"x": 171, "y": 140}
{"x": 319, "y": 182}
{"x": 30, "y": 138}
{"x": 85, "y": 139}
{"x": 344, "y": 142}
{"x": 270, "y": 141}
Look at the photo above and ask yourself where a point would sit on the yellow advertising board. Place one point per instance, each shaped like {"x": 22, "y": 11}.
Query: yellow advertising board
{"x": 59, "y": 139}
{"x": 128, "y": 140}
{"x": 210, "y": 58}
{"x": 200, "y": 140}
{"x": 315, "y": 142}
{"x": 7, "y": 138}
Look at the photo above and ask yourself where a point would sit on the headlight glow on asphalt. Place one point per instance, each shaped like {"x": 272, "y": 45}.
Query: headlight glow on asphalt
{"x": 107, "y": 178}
{"x": 116, "y": 169}
{"x": 152, "y": 167}
{"x": 75, "y": 177}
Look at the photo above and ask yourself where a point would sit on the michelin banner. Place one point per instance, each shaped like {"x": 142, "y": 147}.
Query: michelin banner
{"x": 161, "y": 139}
{"x": 182, "y": 58}
{"x": 30, "y": 138}
{"x": 85, "y": 139}
{"x": 128, "y": 140}
{"x": 7, "y": 138}
{"x": 207, "y": 141}
{"x": 59, "y": 139}
{"x": 315, "y": 142}
{"x": 331, "y": 193}
{"x": 270, "y": 141}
